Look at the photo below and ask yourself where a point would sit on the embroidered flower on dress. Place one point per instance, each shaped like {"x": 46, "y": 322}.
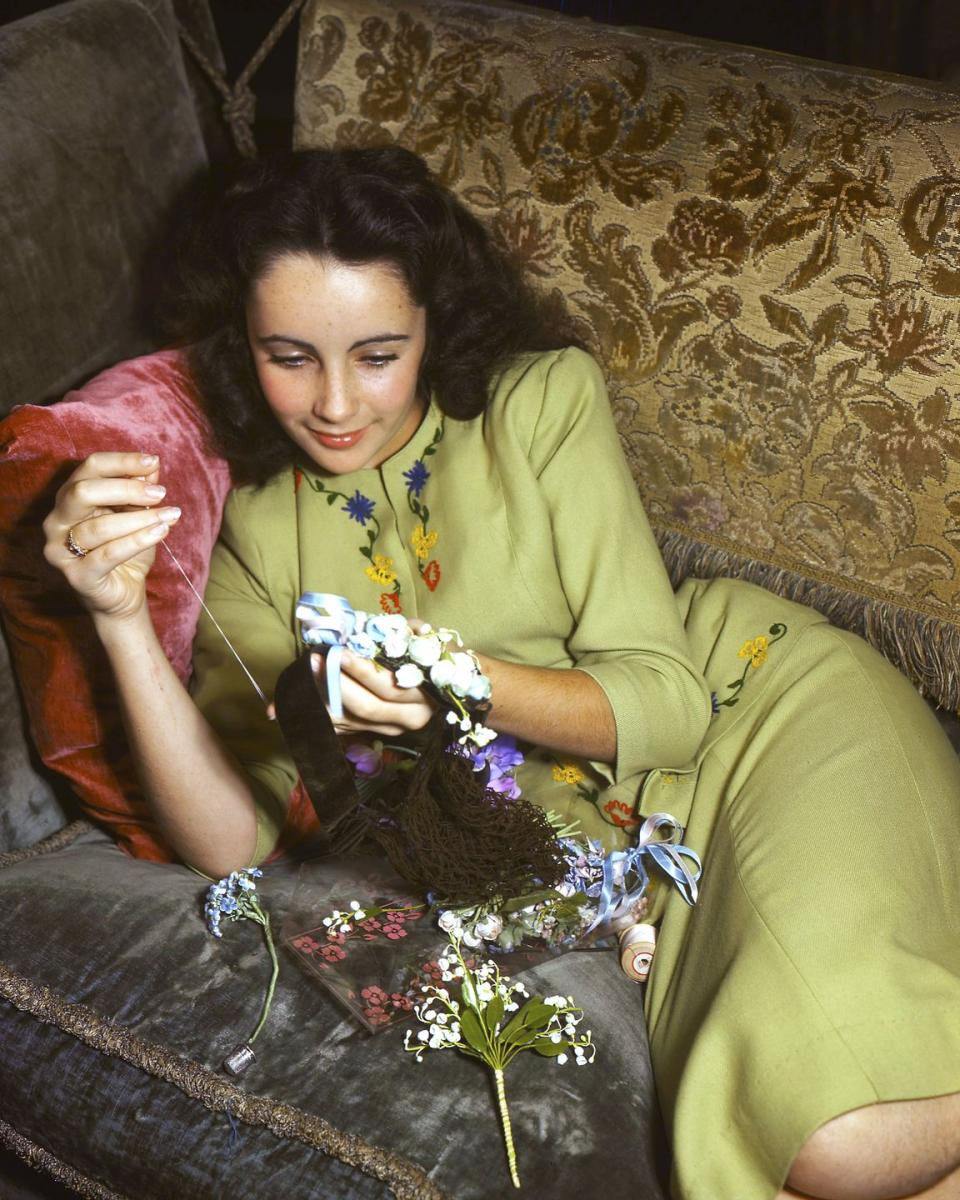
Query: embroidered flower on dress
{"x": 359, "y": 507}
{"x": 416, "y": 477}
{"x": 621, "y": 814}
{"x": 755, "y": 650}
{"x": 423, "y": 541}
{"x": 390, "y": 602}
{"x": 381, "y": 571}
{"x": 431, "y": 574}
{"x": 568, "y": 773}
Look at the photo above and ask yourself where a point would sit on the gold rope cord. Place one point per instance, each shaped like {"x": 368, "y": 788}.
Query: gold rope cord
{"x": 239, "y": 103}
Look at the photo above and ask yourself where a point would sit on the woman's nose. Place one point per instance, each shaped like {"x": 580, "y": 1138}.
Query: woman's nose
{"x": 334, "y": 401}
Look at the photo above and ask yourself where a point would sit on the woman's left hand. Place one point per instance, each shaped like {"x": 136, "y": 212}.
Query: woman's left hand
{"x": 372, "y": 702}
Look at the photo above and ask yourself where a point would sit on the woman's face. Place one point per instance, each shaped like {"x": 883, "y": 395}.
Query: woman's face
{"x": 337, "y": 350}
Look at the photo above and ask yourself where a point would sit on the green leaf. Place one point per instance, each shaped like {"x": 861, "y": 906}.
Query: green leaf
{"x": 519, "y": 902}
{"x": 520, "y": 1035}
{"x": 472, "y": 1030}
{"x": 551, "y": 1049}
{"x": 493, "y": 1014}
{"x": 535, "y": 1014}
{"x": 331, "y": 497}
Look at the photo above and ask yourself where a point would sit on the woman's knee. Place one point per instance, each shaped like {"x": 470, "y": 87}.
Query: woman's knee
{"x": 880, "y": 1152}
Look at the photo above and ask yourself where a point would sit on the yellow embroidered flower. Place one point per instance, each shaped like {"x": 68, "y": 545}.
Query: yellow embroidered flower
{"x": 423, "y": 542}
{"x": 755, "y": 650}
{"x": 568, "y": 773}
{"x": 382, "y": 571}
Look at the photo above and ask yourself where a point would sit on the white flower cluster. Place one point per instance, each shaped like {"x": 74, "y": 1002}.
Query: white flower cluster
{"x": 472, "y": 926}
{"x": 342, "y": 922}
{"x": 563, "y": 1027}
{"x": 431, "y": 654}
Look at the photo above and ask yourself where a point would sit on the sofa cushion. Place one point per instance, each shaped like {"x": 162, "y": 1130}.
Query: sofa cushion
{"x": 146, "y": 404}
{"x": 99, "y": 136}
{"x": 764, "y": 252}
{"x": 117, "y": 1020}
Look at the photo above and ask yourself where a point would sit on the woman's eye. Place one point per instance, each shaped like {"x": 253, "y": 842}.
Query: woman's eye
{"x": 378, "y": 360}
{"x": 290, "y": 360}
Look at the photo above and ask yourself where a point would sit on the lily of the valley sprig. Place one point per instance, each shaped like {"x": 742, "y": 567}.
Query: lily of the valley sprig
{"x": 488, "y": 1022}
{"x": 343, "y": 923}
{"x": 235, "y": 898}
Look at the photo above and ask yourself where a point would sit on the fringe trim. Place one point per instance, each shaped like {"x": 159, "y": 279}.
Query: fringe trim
{"x": 48, "y": 845}
{"x": 407, "y": 1181}
{"x": 925, "y": 648}
{"x": 40, "y": 1159}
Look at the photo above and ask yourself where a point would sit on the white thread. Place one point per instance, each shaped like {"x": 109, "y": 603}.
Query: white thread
{"x": 176, "y": 562}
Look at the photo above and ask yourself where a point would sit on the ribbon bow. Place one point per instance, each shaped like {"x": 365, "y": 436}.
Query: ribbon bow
{"x": 328, "y": 620}
{"x": 659, "y": 840}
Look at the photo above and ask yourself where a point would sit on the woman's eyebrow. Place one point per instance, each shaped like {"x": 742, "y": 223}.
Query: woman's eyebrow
{"x": 370, "y": 341}
{"x": 282, "y": 337}
{"x": 381, "y": 337}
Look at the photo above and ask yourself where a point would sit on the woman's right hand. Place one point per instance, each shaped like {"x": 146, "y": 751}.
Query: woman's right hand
{"x": 112, "y": 509}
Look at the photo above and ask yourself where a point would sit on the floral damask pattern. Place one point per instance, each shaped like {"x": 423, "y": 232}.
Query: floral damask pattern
{"x": 764, "y": 254}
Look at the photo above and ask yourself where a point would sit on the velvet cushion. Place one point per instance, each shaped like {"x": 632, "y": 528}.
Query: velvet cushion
{"x": 116, "y": 1021}
{"x": 145, "y": 404}
{"x": 764, "y": 253}
{"x": 99, "y": 136}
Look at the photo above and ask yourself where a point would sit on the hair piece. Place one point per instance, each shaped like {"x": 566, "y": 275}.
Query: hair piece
{"x": 358, "y": 206}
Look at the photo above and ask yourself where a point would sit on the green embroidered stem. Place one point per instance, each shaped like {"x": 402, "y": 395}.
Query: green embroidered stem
{"x": 264, "y": 920}
{"x": 507, "y": 1128}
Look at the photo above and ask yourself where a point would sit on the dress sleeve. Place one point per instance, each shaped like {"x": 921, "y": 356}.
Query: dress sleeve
{"x": 628, "y": 634}
{"x": 237, "y": 596}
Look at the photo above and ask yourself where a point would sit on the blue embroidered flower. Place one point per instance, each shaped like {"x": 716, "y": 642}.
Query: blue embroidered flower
{"x": 416, "y": 477}
{"x": 359, "y": 507}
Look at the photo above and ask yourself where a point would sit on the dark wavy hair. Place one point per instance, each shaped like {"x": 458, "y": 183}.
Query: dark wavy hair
{"x": 358, "y": 206}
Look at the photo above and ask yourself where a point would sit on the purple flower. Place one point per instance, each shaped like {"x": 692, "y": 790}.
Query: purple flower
{"x": 416, "y": 477}
{"x": 359, "y": 507}
{"x": 367, "y": 760}
{"x": 502, "y": 758}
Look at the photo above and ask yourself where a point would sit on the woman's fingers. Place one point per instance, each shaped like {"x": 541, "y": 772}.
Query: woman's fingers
{"x": 378, "y": 680}
{"x": 99, "y": 531}
{"x": 372, "y": 701}
{"x": 80, "y": 498}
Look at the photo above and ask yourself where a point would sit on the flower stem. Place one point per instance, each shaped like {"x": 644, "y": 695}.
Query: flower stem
{"x": 268, "y": 938}
{"x": 507, "y": 1128}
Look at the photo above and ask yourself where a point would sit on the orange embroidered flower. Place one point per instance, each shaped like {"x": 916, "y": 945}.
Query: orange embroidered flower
{"x": 390, "y": 602}
{"x": 381, "y": 571}
{"x": 431, "y": 574}
{"x": 568, "y": 773}
{"x": 755, "y": 650}
{"x": 620, "y": 814}
{"x": 297, "y": 478}
{"x": 423, "y": 542}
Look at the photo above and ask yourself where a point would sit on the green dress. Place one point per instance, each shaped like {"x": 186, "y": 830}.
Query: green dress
{"x": 819, "y": 971}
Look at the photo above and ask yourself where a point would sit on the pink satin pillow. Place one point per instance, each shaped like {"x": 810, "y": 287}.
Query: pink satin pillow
{"x": 147, "y": 404}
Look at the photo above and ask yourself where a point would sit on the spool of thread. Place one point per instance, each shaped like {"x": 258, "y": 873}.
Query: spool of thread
{"x": 637, "y": 944}
{"x": 239, "y": 1059}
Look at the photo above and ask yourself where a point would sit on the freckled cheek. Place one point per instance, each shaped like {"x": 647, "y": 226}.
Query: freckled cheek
{"x": 284, "y": 400}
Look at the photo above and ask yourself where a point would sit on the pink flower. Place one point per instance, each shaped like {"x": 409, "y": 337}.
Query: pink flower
{"x": 306, "y": 944}
{"x": 370, "y": 924}
{"x": 332, "y": 953}
{"x": 376, "y": 1016}
{"x": 374, "y": 995}
{"x": 394, "y": 931}
{"x": 401, "y": 1002}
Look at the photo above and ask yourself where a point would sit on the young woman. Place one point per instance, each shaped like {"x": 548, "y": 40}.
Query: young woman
{"x": 417, "y": 433}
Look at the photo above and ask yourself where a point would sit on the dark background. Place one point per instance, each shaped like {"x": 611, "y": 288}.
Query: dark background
{"x": 912, "y": 37}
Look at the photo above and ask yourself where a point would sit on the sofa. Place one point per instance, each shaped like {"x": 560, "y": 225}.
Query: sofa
{"x": 764, "y": 253}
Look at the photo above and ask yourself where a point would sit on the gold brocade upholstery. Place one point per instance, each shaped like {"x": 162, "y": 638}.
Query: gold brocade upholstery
{"x": 765, "y": 256}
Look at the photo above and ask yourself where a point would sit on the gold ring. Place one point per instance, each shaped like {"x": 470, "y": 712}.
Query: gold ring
{"x": 74, "y": 546}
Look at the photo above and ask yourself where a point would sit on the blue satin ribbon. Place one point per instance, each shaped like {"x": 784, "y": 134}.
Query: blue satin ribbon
{"x": 328, "y": 620}
{"x": 658, "y": 840}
